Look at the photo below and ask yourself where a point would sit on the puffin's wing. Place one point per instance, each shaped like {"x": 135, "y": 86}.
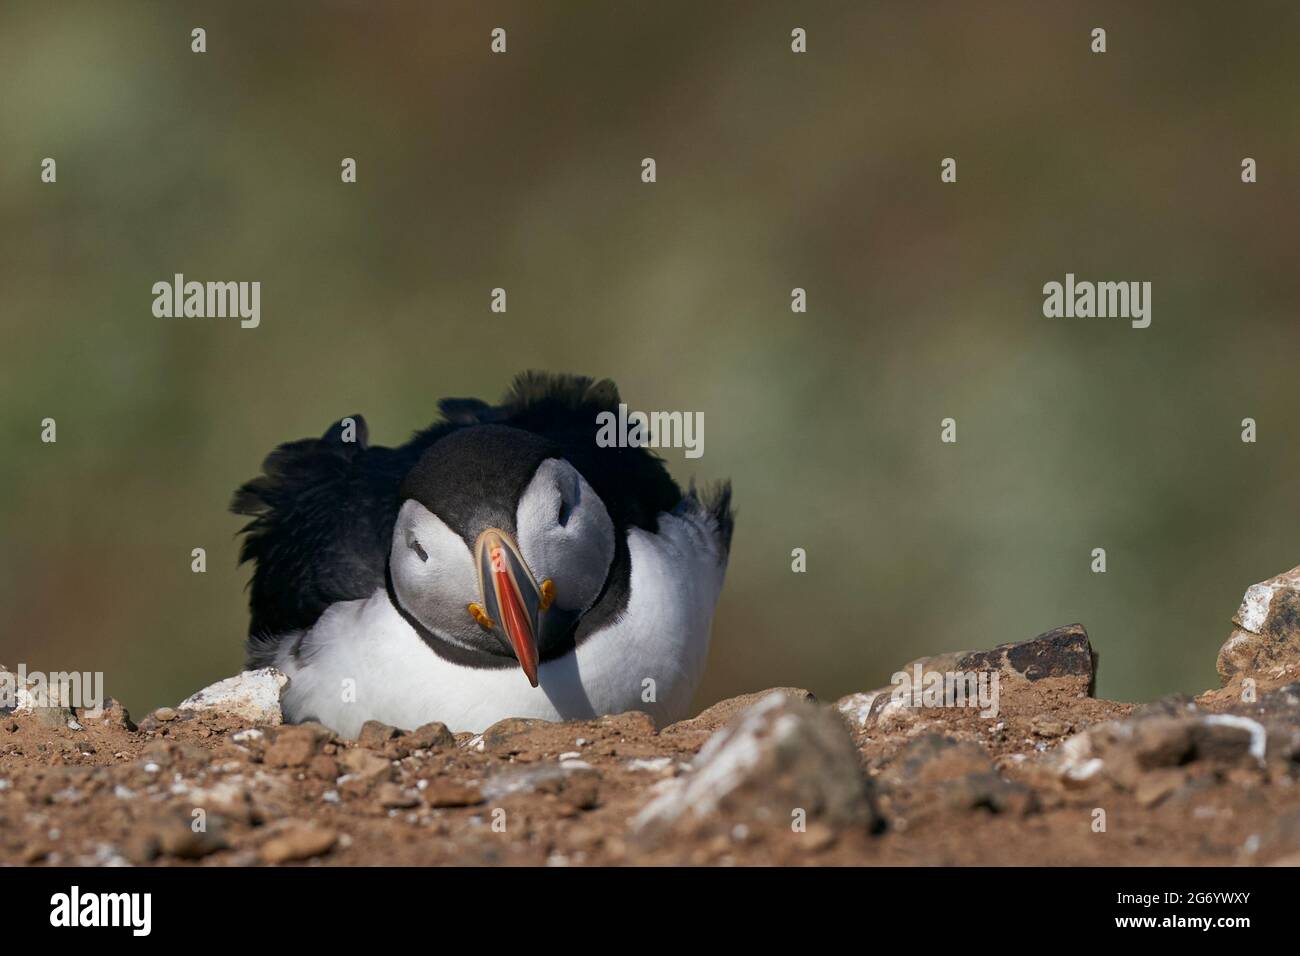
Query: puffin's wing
{"x": 323, "y": 512}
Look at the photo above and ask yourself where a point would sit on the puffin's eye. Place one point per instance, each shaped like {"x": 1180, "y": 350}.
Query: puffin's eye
{"x": 414, "y": 545}
{"x": 568, "y": 501}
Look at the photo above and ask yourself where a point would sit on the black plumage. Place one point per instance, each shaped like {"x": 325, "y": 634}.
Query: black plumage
{"x": 324, "y": 509}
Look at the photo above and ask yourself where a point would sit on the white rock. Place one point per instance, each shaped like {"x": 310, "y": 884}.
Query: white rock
{"x": 723, "y": 762}
{"x": 896, "y": 715}
{"x": 253, "y": 696}
{"x": 223, "y": 793}
{"x": 857, "y": 707}
{"x": 651, "y": 764}
{"x": 1254, "y": 607}
{"x": 526, "y": 778}
{"x": 1265, "y": 641}
{"x": 1085, "y": 770}
{"x": 1257, "y": 602}
{"x": 777, "y": 754}
{"x": 1074, "y": 759}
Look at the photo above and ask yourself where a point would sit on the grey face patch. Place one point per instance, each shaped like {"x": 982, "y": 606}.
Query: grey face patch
{"x": 564, "y": 534}
{"x": 433, "y": 578}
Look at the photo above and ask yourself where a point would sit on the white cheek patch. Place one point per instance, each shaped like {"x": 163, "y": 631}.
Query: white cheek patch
{"x": 575, "y": 554}
{"x": 447, "y": 578}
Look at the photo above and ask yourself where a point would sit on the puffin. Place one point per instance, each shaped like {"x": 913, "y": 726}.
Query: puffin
{"x": 502, "y": 563}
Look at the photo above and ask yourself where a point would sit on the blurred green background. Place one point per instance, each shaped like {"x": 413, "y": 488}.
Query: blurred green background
{"x": 775, "y": 171}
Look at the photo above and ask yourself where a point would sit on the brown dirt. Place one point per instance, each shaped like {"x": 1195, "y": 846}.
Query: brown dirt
{"x": 949, "y": 788}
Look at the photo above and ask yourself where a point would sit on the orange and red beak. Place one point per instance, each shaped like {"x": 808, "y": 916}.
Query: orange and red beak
{"x": 512, "y": 600}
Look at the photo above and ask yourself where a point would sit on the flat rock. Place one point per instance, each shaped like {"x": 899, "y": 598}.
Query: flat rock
{"x": 1045, "y": 725}
{"x": 573, "y": 780}
{"x": 297, "y": 841}
{"x": 1265, "y": 641}
{"x": 434, "y": 736}
{"x": 443, "y": 793}
{"x": 782, "y": 755}
{"x": 296, "y": 745}
{"x": 516, "y": 735}
{"x": 175, "y": 836}
{"x": 253, "y": 696}
{"x": 375, "y": 734}
{"x": 366, "y": 765}
{"x": 1064, "y": 654}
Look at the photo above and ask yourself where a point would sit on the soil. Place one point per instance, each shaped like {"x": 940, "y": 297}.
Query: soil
{"x": 931, "y": 785}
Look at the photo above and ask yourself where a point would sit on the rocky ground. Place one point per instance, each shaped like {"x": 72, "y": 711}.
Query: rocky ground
{"x": 1056, "y": 777}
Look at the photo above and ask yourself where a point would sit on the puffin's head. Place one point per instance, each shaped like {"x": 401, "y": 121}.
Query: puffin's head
{"x": 499, "y": 549}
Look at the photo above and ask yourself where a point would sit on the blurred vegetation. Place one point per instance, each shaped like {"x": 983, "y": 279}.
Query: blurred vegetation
{"x": 775, "y": 171}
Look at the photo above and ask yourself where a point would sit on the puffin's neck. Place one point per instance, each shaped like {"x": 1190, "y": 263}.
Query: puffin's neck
{"x": 453, "y": 653}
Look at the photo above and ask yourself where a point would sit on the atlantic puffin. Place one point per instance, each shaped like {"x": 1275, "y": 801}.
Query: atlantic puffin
{"x": 499, "y": 564}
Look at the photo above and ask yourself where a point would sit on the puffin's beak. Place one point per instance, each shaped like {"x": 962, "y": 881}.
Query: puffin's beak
{"x": 512, "y": 602}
